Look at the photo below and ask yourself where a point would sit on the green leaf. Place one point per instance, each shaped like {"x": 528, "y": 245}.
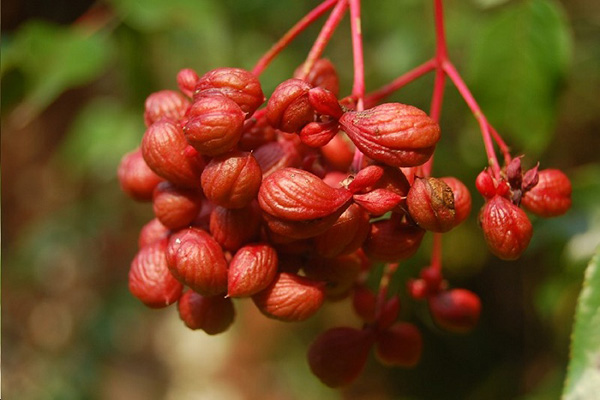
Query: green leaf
{"x": 518, "y": 63}
{"x": 54, "y": 58}
{"x": 583, "y": 378}
{"x": 100, "y": 135}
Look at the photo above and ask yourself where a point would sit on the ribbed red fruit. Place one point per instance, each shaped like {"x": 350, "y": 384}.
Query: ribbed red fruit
{"x": 212, "y": 314}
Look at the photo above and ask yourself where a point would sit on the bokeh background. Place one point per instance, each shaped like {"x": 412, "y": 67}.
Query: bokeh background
{"x": 75, "y": 74}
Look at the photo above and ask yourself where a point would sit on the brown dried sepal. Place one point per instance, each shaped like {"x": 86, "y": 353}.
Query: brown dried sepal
{"x": 430, "y": 204}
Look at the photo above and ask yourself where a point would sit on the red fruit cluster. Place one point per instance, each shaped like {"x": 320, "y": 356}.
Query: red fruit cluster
{"x": 506, "y": 227}
{"x": 272, "y": 204}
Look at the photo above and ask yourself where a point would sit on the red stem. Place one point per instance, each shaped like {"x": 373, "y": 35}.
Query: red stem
{"x": 501, "y": 144}
{"x": 483, "y": 123}
{"x": 436, "y": 252}
{"x": 324, "y": 36}
{"x": 358, "y": 87}
{"x": 290, "y": 35}
{"x": 375, "y": 97}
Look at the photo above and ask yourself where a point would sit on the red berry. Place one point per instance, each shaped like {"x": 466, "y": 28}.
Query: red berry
{"x": 187, "y": 80}
{"x": 136, "y": 178}
{"x": 233, "y": 228}
{"x": 551, "y": 196}
{"x": 212, "y": 314}
{"x": 150, "y": 279}
{"x": 322, "y": 74}
{"x": 455, "y": 310}
{"x": 431, "y": 204}
{"x": 392, "y": 241}
{"x": 346, "y": 235}
{"x": 165, "y": 104}
{"x": 251, "y": 270}
{"x": 288, "y": 108}
{"x": 175, "y": 207}
{"x": 152, "y": 232}
{"x": 338, "y": 355}
{"x": 400, "y": 345}
{"x": 506, "y": 228}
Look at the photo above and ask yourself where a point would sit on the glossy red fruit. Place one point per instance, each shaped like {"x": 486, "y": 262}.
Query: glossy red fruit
{"x": 152, "y": 232}
{"x": 239, "y": 85}
{"x": 187, "y": 80}
{"x": 233, "y": 228}
{"x": 506, "y": 228}
{"x": 165, "y": 104}
{"x": 346, "y": 235}
{"x": 137, "y": 180}
{"x": 290, "y": 298}
{"x": 251, "y": 270}
{"x": 212, "y": 314}
{"x": 455, "y": 310}
{"x": 197, "y": 261}
{"x": 297, "y": 195}
{"x": 215, "y": 124}
{"x": 317, "y": 134}
{"x": 392, "y": 133}
{"x": 462, "y": 198}
{"x": 400, "y": 345}
{"x": 274, "y": 156}
{"x": 288, "y": 108}
{"x": 149, "y": 277}
{"x": 322, "y": 74}
{"x": 175, "y": 207}
{"x": 430, "y": 204}
{"x": 379, "y": 201}
{"x": 338, "y": 355}
{"x": 232, "y": 180}
{"x": 551, "y": 196}
{"x": 165, "y": 150}
{"x": 391, "y": 241}
{"x": 325, "y": 102}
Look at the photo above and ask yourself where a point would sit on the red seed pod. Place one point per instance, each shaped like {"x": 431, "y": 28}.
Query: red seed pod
{"x": 322, "y": 74}
{"x": 197, "y": 261}
{"x": 338, "y": 153}
{"x": 455, "y": 310}
{"x": 232, "y": 180}
{"x": 485, "y": 184}
{"x": 400, "y": 345}
{"x": 137, "y": 180}
{"x": 175, "y": 207}
{"x": 257, "y": 132}
{"x": 165, "y": 104}
{"x": 152, "y": 232}
{"x": 297, "y": 195}
{"x": 164, "y": 148}
{"x": 378, "y": 201}
{"x": 364, "y": 303}
{"x": 338, "y": 273}
{"x": 324, "y": 102}
{"x": 187, "y": 79}
{"x": 551, "y": 196}
{"x": 430, "y": 204}
{"x": 317, "y": 134}
{"x": 212, "y": 314}
{"x": 274, "y": 156}
{"x": 462, "y": 198}
{"x": 391, "y": 241}
{"x": 433, "y": 279}
{"x": 149, "y": 277}
{"x": 395, "y": 134}
{"x": 338, "y": 356}
{"x": 295, "y": 230}
{"x": 251, "y": 270}
{"x": 215, "y": 124}
{"x": 234, "y": 228}
{"x": 239, "y": 85}
{"x": 346, "y": 235}
{"x": 506, "y": 228}
{"x": 366, "y": 178}
{"x": 290, "y": 298}
{"x": 288, "y": 109}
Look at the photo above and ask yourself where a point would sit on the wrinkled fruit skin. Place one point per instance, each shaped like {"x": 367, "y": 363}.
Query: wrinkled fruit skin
{"x": 392, "y": 133}
{"x": 288, "y": 108}
{"x": 455, "y": 310}
{"x": 290, "y": 298}
{"x": 431, "y": 204}
{"x": 197, "y": 261}
{"x": 551, "y": 196}
{"x": 149, "y": 277}
{"x": 462, "y": 199}
{"x": 175, "y": 207}
{"x": 233, "y": 228}
{"x": 346, "y": 235}
{"x": 506, "y": 228}
{"x": 232, "y": 180}
{"x": 165, "y": 104}
{"x": 338, "y": 355}
{"x": 212, "y": 314}
{"x": 251, "y": 270}
{"x": 323, "y": 74}
{"x": 137, "y": 180}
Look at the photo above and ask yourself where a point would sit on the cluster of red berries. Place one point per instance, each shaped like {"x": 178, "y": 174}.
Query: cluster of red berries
{"x": 273, "y": 204}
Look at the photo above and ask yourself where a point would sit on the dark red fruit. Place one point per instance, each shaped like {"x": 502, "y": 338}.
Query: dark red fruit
{"x": 455, "y": 310}
{"x": 212, "y": 314}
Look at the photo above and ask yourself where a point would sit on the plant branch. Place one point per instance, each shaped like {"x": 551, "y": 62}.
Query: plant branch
{"x": 290, "y": 35}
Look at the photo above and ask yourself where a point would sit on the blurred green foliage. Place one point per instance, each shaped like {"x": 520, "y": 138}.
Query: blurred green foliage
{"x": 72, "y": 105}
